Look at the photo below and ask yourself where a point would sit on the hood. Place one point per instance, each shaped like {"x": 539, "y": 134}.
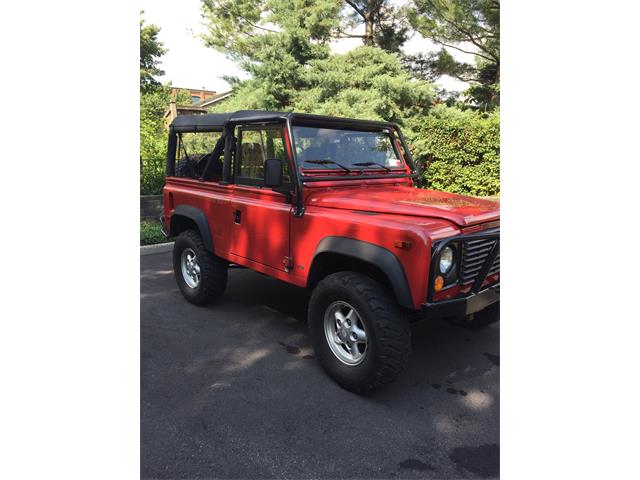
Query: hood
{"x": 403, "y": 200}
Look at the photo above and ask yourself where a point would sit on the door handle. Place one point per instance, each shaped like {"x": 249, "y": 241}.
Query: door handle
{"x": 237, "y": 216}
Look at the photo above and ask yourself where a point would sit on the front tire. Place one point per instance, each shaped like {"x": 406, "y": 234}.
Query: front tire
{"x": 360, "y": 335}
{"x": 201, "y": 276}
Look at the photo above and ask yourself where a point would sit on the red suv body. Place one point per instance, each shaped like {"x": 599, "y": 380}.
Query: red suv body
{"x": 329, "y": 203}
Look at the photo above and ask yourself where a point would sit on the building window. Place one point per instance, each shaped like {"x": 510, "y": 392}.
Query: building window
{"x": 194, "y": 99}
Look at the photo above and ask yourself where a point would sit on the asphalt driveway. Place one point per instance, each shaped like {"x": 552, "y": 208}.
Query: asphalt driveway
{"x": 233, "y": 391}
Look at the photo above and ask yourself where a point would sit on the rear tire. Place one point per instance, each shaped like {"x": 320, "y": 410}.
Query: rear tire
{"x": 481, "y": 319}
{"x": 201, "y": 276}
{"x": 380, "y": 358}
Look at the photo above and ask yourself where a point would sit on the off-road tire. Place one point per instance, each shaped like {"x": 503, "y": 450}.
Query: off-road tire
{"x": 481, "y": 319}
{"x": 388, "y": 331}
{"x": 213, "y": 270}
{"x": 187, "y": 168}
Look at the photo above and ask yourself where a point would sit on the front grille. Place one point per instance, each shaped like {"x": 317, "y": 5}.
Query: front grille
{"x": 474, "y": 254}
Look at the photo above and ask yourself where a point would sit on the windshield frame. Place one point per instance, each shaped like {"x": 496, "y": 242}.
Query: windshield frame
{"x": 335, "y": 172}
{"x": 412, "y": 171}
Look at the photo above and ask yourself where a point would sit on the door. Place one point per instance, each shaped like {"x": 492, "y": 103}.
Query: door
{"x": 260, "y": 217}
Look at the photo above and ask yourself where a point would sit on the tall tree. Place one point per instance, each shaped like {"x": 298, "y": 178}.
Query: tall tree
{"x": 236, "y": 25}
{"x": 275, "y": 40}
{"x": 365, "y": 82}
{"x": 151, "y": 49}
{"x": 283, "y": 44}
{"x": 468, "y": 26}
{"x": 384, "y": 24}
{"x": 272, "y": 40}
{"x": 241, "y": 28}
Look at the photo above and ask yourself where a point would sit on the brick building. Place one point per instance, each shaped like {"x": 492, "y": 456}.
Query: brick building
{"x": 197, "y": 95}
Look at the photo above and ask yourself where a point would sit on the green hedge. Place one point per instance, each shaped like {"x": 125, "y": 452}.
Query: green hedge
{"x": 150, "y": 233}
{"x": 153, "y": 137}
{"x": 151, "y": 183}
{"x": 459, "y": 150}
{"x": 151, "y": 176}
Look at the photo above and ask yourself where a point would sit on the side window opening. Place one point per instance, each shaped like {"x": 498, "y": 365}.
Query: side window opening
{"x": 252, "y": 154}
{"x": 193, "y": 151}
{"x": 257, "y": 144}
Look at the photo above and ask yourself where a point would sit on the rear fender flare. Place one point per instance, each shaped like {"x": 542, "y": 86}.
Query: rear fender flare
{"x": 198, "y": 218}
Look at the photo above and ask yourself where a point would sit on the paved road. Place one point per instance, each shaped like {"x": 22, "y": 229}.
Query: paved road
{"x": 233, "y": 391}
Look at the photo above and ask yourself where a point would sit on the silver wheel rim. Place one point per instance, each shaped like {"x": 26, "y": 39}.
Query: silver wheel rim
{"x": 345, "y": 333}
{"x": 190, "y": 268}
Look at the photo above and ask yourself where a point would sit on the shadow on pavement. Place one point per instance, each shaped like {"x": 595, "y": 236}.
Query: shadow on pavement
{"x": 233, "y": 391}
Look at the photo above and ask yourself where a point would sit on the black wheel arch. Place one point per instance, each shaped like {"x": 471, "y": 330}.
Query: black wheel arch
{"x": 186, "y": 217}
{"x": 342, "y": 253}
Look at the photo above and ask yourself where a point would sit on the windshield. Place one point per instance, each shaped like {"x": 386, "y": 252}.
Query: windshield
{"x": 351, "y": 150}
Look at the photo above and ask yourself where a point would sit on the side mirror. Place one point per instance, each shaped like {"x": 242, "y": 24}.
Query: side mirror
{"x": 273, "y": 172}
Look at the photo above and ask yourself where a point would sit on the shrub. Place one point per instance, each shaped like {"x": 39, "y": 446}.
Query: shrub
{"x": 459, "y": 151}
{"x": 151, "y": 176}
{"x": 153, "y": 137}
{"x": 151, "y": 183}
{"x": 150, "y": 233}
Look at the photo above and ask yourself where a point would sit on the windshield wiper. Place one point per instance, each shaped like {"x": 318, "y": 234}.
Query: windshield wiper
{"x": 368, "y": 164}
{"x": 328, "y": 162}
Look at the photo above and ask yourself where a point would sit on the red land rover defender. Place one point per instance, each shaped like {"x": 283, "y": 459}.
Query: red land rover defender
{"x": 329, "y": 204}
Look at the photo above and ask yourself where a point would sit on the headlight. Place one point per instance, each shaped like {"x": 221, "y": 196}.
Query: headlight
{"x": 446, "y": 260}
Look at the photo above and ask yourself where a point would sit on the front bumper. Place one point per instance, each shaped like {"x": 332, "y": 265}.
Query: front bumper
{"x": 472, "y": 303}
{"x": 481, "y": 293}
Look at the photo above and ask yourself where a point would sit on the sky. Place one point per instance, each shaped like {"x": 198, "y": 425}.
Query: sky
{"x": 189, "y": 64}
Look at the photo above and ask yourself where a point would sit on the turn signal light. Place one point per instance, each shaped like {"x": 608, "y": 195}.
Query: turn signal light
{"x": 438, "y": 283}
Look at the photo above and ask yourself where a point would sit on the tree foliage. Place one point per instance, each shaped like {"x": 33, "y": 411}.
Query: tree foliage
{"x": 284, "y": 46}
{"x": 153, "y": 136}
{"x": 384, "y": 24}
{"x": 366, "y": 82}
{"x": 151, "y": 49}
{"x": 272, "y": 40}
{"x": 236, "y": 27}
{"x": 469, "y": 26}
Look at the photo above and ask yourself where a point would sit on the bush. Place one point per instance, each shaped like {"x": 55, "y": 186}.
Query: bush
{"x": 150, "y": 233}
{"x": 459, "y": 151}
{"x": 151, "y": 183}
{"x": 153, "y": 140}
{"x": 153, "y": 137}
{"x": 151, "y": 176}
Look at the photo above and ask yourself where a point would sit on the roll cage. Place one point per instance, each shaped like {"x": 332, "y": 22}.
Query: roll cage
{"x": 226, "y": 123}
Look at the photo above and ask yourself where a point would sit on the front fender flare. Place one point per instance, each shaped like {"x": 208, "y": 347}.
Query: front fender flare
{"x": 375, "y": 255}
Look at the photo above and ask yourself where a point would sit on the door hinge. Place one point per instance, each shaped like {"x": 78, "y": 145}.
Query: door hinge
{"x": 288, "y": 263}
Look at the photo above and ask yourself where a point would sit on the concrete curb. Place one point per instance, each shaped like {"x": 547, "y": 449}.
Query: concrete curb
{"x": 158, "y": 248}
